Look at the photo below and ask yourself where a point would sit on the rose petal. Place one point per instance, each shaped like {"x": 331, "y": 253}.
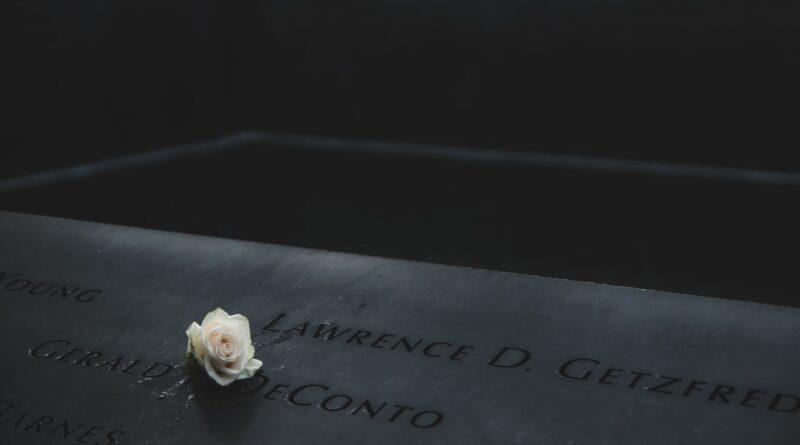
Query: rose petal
{"x": 243, "y": 324}
{"x": 194, "y": 343}
{"x": 216, "y": 313}
{"x": 250, "y": 369}
{"x": 232, "y": 355}
{"x": 251, "y": 351}
{"x": 223, "y": 379}
{"x": 211, "y": 335}
{"x": 227, "y": 367}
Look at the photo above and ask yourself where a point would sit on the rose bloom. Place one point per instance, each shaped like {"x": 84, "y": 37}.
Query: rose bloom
{"x": 222, "y": 344}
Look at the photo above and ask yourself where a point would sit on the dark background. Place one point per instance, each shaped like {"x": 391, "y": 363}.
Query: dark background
{"x": 676, "y": 83}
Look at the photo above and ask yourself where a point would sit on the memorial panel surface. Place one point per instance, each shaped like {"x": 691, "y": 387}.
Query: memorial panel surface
{"x": 368, "y": 350}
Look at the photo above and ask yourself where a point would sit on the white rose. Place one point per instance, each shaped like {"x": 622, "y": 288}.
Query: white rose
{"x": 223, "y": 346}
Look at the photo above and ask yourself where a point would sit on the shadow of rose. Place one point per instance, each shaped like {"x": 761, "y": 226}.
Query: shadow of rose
{"x": 228, "y": 411}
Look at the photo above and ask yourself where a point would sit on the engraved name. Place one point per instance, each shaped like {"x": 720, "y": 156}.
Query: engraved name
{"x": 46, "y": 425}
{"x": 328, "y": 399}
{"x": 63, "y": 351}
{"x": 591, "y": 370}
{"x": 16, "y": 283}
{"x": 507, "y": 357}
{"x": 319, "y": 395}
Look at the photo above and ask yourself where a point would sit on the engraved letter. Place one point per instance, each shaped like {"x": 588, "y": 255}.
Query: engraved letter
{"x": 565, "y": 367}
{"x": 293, "y": 395}
{"x": 36, "y": 353}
